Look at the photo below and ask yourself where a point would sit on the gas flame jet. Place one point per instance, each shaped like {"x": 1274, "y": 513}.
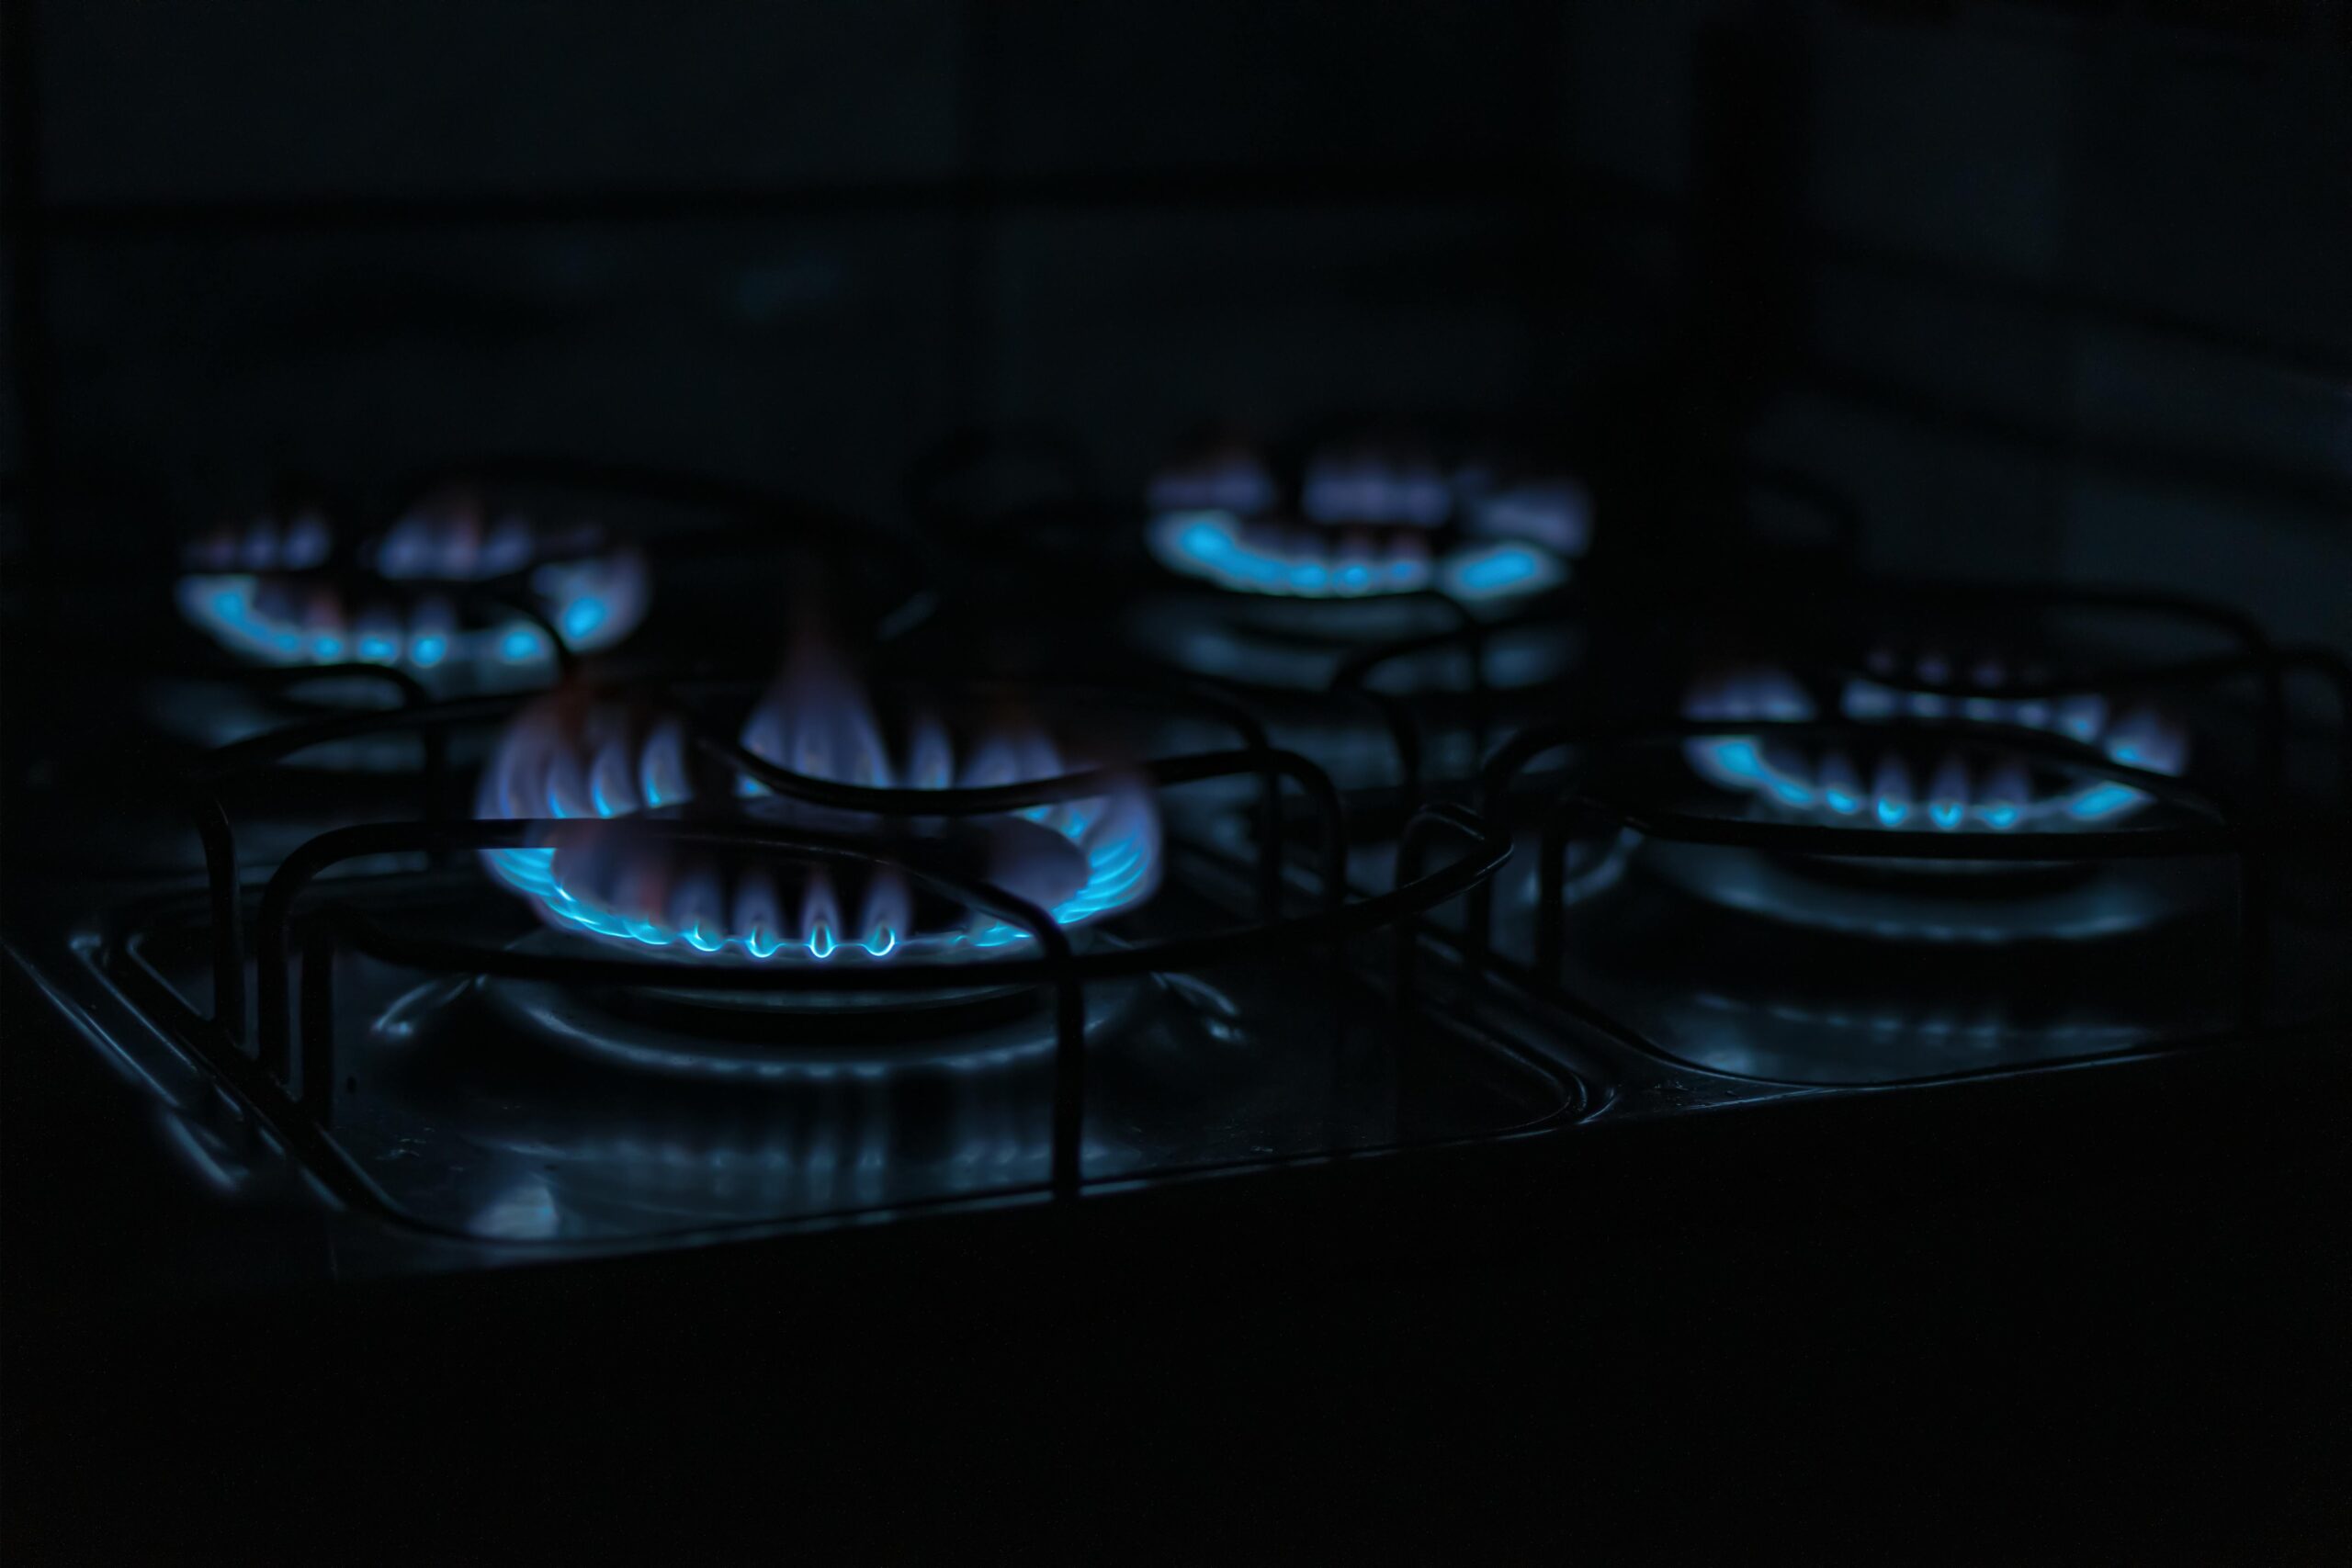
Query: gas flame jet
{"x": 603, "y": 766}
{"x": 275, "y": 591}
{"x": 1964, "y": 789}
{"x": 1370, "y": 519}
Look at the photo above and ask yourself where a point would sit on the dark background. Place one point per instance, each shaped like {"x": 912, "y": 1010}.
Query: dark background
{"x": 2057, "y": 290}
{"x": 2050, "y": 287}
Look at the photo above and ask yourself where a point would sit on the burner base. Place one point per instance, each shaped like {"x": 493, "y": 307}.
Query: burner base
{"x": 807, "y": 1035}
{"x": 1894, "y": 902}
{"x": 1300, "y": 644}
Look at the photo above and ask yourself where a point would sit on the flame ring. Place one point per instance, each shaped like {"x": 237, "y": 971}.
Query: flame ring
{"x": 1738, "y": 761}
{"x": 1209, "y": 544}
{"x": 587, "y": 601}
{"x": 1120, "y": 846}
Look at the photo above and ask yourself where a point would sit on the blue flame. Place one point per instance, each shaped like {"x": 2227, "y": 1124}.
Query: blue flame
{"x": 1554, "y": 512}
{"x": 2102, "y": 800}
{"x": 532, "y": 871}
{"x": 581, "y": 616}
{"x": 1120, "y": 865}
{"x": 1365, "y": 489}
{"x": 605, "y": 766}
{"x": 1735, "y": 762}
{"x": 2002, "y": 801}
{"x": 1485, "y": 571}
{"x": 1212, "y": 545}
{"x": 226, "y": 606}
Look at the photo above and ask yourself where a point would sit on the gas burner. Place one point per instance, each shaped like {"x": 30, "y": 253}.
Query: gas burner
{"x": 1370, "y": 547}
{"x": 611, "y": 766}
{"x": 1721, "y": 955}
{"x": 1798, "y": 1039}
{"x": 812, "y": 1037}
{"x": 1369, "y": 521}
{"x": 427, "y": 595}
{"x": 1968, "y": 787}
{"x": 1938, "y": 903}
{"x": 604, "y": 1114}
{"x": 1944, "y": 768}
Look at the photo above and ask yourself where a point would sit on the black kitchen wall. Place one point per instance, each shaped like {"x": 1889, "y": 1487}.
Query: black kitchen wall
{"x": 2078, "y": 277}
{"x": 792, "y": 243}
{"x": 2048, "y": 286}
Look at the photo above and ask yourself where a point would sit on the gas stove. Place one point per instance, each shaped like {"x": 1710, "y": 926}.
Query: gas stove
{"x": 882, "y": 913}
{"x": 493, "y": 957}
{"x": 1215, "y": 783}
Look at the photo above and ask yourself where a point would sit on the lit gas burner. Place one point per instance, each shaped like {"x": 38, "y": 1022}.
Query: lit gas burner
{"x": 1368, "y": 521}
{"x": 424, "y": 595}
{"x": 610, "y": 765}
{"x": 1933, "y": 775}
{"x": 1364, "y": 547}
{"x": 1902, "y": 785}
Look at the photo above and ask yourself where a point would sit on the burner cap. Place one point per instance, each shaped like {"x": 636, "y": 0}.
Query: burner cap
{"x": 803, "y": 1036}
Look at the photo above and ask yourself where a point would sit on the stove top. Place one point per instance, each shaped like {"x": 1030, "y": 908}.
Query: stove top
{"x": 609, "y": 952}
{"x": 833, "y": 902}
